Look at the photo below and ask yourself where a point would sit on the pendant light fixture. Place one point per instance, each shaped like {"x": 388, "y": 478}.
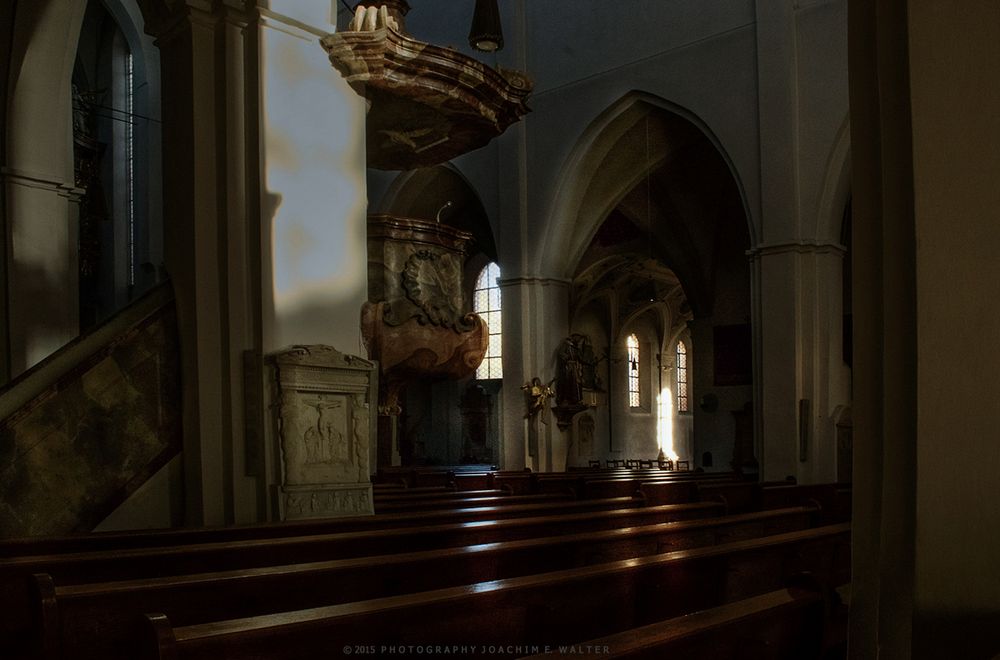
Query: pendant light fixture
{"x": 486, "y": 34}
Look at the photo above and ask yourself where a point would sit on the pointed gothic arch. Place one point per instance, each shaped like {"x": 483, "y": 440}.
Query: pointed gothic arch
{"x": 597, "y": 175}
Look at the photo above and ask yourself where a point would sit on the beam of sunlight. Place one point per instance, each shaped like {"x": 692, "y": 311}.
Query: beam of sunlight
{"x": 665, "y": 423}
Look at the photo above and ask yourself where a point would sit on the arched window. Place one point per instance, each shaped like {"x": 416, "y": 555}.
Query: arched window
{"x": 116, "y": 138}
{"x": 682, "y": 377}
{"x": 486, "y": 303}
{"x": 632, "y": 343}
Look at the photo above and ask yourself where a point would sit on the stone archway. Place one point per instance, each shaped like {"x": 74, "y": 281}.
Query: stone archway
{"x": 598, "y": 174}
{"x": 653, "y": 210}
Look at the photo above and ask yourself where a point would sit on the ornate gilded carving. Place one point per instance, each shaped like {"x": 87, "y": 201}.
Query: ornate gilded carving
{"x": 431, "y": 282}
{"x": 536, "y": 395}
{"x": 427, "y": 104}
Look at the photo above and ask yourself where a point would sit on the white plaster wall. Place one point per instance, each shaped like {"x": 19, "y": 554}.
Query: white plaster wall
{"x": 956, "y": 127}
{"x": 38, "y": 175}
{"x": 313, "y": 189}
{"x": 821, "y": 83}
{"x": 634, "y": 429}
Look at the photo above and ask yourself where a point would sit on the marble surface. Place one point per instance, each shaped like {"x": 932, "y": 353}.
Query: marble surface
{"x": 76, "y": 451}
{"x": 428, "y": 104}
{"x": 415, "y": 323}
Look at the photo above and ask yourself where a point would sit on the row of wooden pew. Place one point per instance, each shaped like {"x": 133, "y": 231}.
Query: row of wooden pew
{"x": 515, "y": 570}
{"x": 640, "y": 463}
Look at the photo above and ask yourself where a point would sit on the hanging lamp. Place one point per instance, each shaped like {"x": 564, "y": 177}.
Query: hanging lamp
{"x": 486, "y": 34}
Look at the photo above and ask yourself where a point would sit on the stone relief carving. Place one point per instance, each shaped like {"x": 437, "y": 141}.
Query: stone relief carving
{"x": 307, "y": 504}
{"x": 360, "y": 413}
{"x": 323, "y": 430}
{"x": 320, "y": 355}
{"x": 318, "y": 439}
{"x": 431, "y": 282}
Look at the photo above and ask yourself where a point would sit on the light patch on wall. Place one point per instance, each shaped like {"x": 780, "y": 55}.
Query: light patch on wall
{"x": 313, "y": 131}
{"x": 665, "y": 423}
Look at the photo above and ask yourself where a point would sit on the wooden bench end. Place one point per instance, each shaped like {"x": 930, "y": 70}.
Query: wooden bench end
{"x": 162, "y": 645}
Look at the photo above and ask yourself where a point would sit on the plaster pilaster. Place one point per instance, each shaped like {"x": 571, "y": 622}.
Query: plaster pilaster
{"x": 535, "y": 320}
{"x": 800, "y": 340}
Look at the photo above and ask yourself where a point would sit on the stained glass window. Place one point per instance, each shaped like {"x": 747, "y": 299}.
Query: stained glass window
{"x": 682, "y": 377}
{"x": 633, "y": 371}
{"x": 486, "y": 303}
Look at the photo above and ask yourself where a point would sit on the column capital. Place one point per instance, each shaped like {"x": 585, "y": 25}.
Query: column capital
{"x": 163, "y": 17}
{"x": 800, "y": 247}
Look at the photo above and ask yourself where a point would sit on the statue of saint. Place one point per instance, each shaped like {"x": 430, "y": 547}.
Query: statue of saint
{"x": 537, "y": 394}
{"x": 569, "y": 383}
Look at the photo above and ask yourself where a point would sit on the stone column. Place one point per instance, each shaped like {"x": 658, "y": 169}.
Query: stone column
{"x": 323, "y": 415}
{"x": 535, "y": 320}
{"x": 802, "y": 378}
{"x": 204, "y": 212}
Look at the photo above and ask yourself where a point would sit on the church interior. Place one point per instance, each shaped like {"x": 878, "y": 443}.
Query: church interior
{"x": 479, "y": 328}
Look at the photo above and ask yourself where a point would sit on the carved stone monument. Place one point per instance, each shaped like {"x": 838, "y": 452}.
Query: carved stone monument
{"x": 323, "y": 412}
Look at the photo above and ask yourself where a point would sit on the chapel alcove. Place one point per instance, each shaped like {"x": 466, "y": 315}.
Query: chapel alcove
{"x": 666, "y": 264}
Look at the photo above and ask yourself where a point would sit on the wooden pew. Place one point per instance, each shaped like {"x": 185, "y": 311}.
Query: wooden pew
{"x": 662, "y": 490}
{"x": 466, "y": 481}
{"x": 71, "y": 568}
{"x": 415, "y": 477}
{"x": 96, "y": 618}
{"x": 835, "y": 499}
{"x": 111, "y": 541}
{"x": 517, "y": 483}
{"x": 422, "y": 504}
{"x": 548, "y": 608}
{"x": 452, "y": 495}
{"x": 778, "y": 625}
{"x": 81, "y": 567}
{"x": 405, "y": 495}
{"x": 78, "y": 568}
{"x": 748, "y": 496}
{"x": 388, "y": 486}
{"x": 737, "y": 497}
{"x": 589, "y": 484}
{"x": 103, "y": 564}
